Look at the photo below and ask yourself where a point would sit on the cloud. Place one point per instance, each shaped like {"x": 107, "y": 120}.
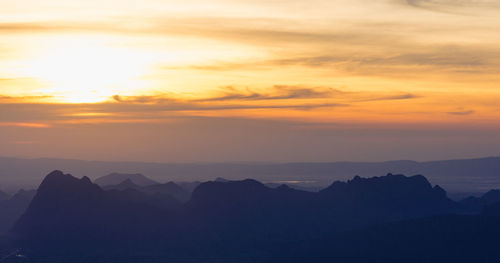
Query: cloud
{"x": 461, "y": 113}
{"x": 278, "y": 92}
{"x": 405, "y": 96}
{"x": 143, "y": 99}
{"x": 30, "y": 113}
{"x": 229, "y": 100}
{"x": 25, "y": 124}
{"x": 239, "y": 101}
{"x": 455, "y": 6}
{"x": 22, "y": 99}
{"x": 248, "y": 30}
{"x": 450, "y": 58}
{"x": 160, "y": 103}
{"x": 394, "y": 48}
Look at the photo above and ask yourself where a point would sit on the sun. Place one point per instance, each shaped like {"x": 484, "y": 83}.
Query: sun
{"x": 87, "y": 72}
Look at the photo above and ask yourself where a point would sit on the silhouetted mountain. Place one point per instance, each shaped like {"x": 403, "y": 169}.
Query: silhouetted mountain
{"x": 3, "y": 196}
{"x": 74, "y": 220}
{"x": 188, "y": 186}
{"x": 391, "y": 196}
{"x": 12, "y": 208}
{"x": 465, "y": 175}
{"x": 491, "y": 209}
{"x": 436, "y": 239}
{"x": 221, "y": 180}
{"x": 23, "y": 196}
{"x": 127, "y": 184}
{"x": 157, "y": 195}
{"x": 169, "y": 188}
{"x": 77, "y": 210}
{"x": 296, "y": 187}
{"x": 248, "y": 208}
{"x": 476, "y": 204}
{"x": 117, "y": 178}
{"x": 341, "y": 206}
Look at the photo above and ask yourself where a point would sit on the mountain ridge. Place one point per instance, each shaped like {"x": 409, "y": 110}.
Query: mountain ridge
{"x": 454, "y": 175}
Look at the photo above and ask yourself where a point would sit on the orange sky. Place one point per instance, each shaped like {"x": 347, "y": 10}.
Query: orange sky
{"x": 357, "y": 74}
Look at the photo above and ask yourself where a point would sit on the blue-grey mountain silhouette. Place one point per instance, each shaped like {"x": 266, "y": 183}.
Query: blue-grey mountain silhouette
{"x": 386, "y": 219}
{"x": 12, "y": 208}
{"x": 456, "y": 176}
{"x": 116, "y": 178}
{"x": 170, "y": 189}
{"x": 476, "y": 204}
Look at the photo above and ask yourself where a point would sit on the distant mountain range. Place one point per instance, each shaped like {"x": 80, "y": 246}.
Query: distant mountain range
{"x": 170, "y": 189}
{"x": 392, "y": 218}
{"x": 3, "y": 196}
{"x": 116, "y": 178}
{"x": 12, "y": 207}
{"x": 468, "y": 175}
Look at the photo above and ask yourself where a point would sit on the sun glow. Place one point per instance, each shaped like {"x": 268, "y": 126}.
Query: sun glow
{"x": 87, "y": 72}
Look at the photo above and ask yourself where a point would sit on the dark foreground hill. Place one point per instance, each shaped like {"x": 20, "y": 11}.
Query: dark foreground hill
{"x": 392, "y": 218}
{"x": 450, "y": 238}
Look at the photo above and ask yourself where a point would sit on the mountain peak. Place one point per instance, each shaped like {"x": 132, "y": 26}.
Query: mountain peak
{"x": 55, "y": 175}
{"x": 56, "y": 192}
{"x": 391, "y": 186}
{"x": 86, "y": 180}
{"x": 58, "y": 178}
{"x": 127, "y": 182}
{"x": 58, "y": 182}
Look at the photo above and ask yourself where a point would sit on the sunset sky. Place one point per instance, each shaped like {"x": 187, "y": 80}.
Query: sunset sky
{"x": 241, "y": 80}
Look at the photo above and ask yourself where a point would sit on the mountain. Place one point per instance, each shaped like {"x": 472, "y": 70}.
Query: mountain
{"x": 449, "y": 238}
{"x": 12, "y": 208}
{"x": 188, "y": 186}
{"x": 126, "y": 184}
{"x": 457, "y": 176}
{"x": 394, "y": 196}
{"x": 221, "y": 180}
{"x": 74, "y": 220}
{"x": 117, "y": 178}
{"x": 3, "y": 196}
{"x": 76, "y": 210}
{"x": 474, "y": 204}
{"x": 343, "y": 205}
{"x": 23, "y": 196}
{"x": 169, "y": 189}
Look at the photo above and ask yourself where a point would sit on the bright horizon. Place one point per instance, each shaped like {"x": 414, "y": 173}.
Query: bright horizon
{"x": 277, "y": 81}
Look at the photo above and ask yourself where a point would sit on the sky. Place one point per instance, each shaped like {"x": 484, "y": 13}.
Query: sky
{"x": 241, "y": 80}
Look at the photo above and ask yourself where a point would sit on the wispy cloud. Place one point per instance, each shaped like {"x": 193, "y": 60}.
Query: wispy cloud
{"x": 25, "y": 124}
{"x": 276, "y": 101}
{"x": 225, "y": 102}
{"x": 452, "y": 59}
{"x": 462, "y": 113}
{"x": 405, "y": 96}
{"x": 278, "y": 92}
{"x": 23, "y": 99}
{"x": 454, "y": 6}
